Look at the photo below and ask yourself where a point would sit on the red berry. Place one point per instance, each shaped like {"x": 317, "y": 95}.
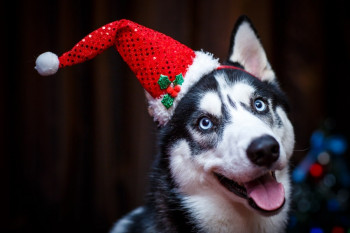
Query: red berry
{"x": 177, "y": 88}
{"x": 170, "y": 89}
{"x": 173, "y": 94}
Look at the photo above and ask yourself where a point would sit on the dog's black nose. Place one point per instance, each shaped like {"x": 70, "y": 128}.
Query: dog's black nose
{"x": 263, "y": 151}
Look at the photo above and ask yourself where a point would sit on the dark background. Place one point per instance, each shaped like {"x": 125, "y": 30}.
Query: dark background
{"x": 76, "y": 147}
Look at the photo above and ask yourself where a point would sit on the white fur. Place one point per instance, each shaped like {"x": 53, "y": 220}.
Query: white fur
{"x": 203, "y": 63}
{"x": 241, "y": 92}
{"x": 211, "y": 103}
{"x": 47, "y": 64}
{"x": 286, "y": 134}
{"x": 249, "y": 52}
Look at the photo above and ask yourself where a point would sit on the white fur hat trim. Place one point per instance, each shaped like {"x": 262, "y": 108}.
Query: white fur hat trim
{"x": 203, "y": 64}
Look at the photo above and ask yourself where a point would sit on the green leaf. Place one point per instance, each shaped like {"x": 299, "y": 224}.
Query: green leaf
{"x": 163, "y": 82}
{"x": 167, "y": 101}
{"x": 178, "y": 79}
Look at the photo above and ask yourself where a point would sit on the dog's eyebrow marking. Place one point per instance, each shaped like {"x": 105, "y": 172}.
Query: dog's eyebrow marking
{"x": 245, "y": 106}
{"x": 231, "y": 102}
{"x": 211, "y": 103}
{"x": 241, "y": 92}
{"x": 278, "y": 120}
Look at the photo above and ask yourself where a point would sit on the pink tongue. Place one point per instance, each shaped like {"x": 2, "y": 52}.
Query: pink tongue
{"x": 266, "y": 192}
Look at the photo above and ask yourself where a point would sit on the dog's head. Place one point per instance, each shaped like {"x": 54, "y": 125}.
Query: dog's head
{"x": 230, "y": 134}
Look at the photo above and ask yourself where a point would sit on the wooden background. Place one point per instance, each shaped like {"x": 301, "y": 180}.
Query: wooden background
{"x": 75, "y": 148}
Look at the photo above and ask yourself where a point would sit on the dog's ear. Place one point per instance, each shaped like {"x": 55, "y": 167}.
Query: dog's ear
{"x": 246, "y": 49}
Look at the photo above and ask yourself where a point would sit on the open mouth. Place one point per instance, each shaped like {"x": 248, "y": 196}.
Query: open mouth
{"x": 264, "y": 194}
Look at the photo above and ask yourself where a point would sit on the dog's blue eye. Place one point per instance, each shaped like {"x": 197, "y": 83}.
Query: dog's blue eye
{"x": 260, "y": 105}
{"x": 205, "y": 123}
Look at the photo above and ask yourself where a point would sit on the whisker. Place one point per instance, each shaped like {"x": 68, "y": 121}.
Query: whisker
{"x": 302, "y": 150}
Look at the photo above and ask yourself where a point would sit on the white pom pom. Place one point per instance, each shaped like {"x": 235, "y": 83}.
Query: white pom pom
{"x": 47, "y": 64}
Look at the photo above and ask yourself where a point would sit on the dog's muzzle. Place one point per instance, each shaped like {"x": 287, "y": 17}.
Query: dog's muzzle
{"x": 263, "y": 193}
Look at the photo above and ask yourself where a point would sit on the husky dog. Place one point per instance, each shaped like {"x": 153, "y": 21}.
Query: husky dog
{"x": 225, "y": 139}
{"x": 223, "y": 156}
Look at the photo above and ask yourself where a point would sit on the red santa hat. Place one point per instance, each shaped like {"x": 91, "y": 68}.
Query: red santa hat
{"x": 165, "y": 68}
